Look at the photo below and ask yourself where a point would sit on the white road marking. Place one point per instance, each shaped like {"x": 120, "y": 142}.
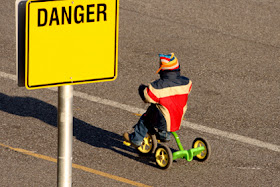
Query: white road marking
{"x": 8, "y": 76}
{"x": 250, "y": 168}
{"x": 194, "y": 126}
{"x": 230, "y": 135}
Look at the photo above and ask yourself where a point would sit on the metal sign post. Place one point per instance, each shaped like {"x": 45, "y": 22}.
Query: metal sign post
{"x": 65, "y": 136}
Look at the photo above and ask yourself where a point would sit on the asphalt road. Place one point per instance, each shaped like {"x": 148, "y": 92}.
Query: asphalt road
{"x": 231, "y": 52}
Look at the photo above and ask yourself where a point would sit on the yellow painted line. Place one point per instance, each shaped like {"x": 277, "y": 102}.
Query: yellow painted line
{"x": 136, "y": 114}
{"x": 93, "y": 171}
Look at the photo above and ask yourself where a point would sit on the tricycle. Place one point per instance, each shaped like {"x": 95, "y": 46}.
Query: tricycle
{"x": 164, "y": 157}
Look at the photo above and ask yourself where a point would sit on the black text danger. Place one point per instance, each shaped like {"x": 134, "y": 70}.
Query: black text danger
{"x": 78, "y": 14}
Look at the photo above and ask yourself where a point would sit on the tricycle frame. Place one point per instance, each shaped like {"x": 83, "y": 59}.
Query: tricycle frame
{"x": 187, "y": 154}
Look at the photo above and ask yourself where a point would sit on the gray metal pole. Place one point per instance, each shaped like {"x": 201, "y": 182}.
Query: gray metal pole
{"x": 65, "y": 136}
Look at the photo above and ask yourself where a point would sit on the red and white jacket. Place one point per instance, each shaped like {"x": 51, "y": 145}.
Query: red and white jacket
{"x": 170, "y": 95}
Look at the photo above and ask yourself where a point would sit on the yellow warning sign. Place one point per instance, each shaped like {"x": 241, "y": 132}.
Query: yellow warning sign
{"x": 70, "y": 42}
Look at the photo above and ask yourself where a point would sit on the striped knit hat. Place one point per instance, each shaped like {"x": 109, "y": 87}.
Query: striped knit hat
{"x": 168, "y": 62}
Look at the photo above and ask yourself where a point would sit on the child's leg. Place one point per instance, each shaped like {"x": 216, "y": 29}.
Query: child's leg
{"x": 140, "y": 131}
{"x": 164, "y": 135}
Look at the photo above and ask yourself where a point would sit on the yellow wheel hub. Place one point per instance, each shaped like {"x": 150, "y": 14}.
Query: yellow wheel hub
{"x": 146, "y": 145}
{"x": 203, "y": 154}
{"x": 162, "y": 157}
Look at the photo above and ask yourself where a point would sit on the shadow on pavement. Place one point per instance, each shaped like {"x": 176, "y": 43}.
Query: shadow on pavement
{"x": 32, "y": 107}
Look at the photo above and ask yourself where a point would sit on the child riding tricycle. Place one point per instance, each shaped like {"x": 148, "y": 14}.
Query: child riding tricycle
{"x": 168, "y": 97}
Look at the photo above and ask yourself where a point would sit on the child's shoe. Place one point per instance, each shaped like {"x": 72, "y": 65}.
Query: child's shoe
{"x": 127, "y": 139}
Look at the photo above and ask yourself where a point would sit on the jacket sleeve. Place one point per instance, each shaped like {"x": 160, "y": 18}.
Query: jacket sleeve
{"x": 141, "y": 91}
{"x": 149, "y": 95}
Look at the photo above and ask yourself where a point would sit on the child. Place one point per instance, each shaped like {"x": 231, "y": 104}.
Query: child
{"x": 168, "y": 97}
